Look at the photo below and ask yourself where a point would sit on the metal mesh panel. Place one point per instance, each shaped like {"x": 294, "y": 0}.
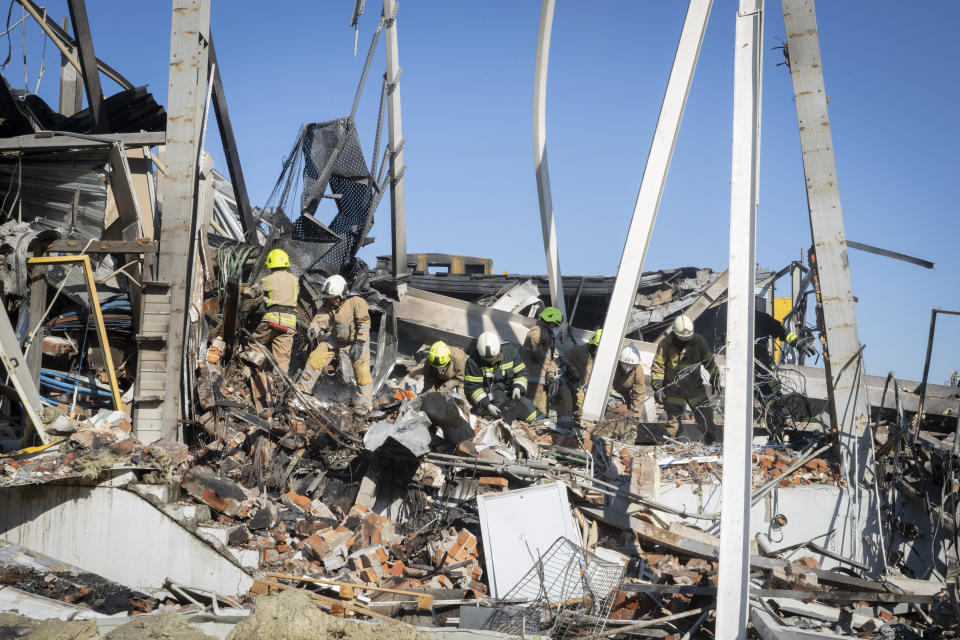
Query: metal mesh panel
{"x": 567, "y": 593}
{"x": 332, "y": 155}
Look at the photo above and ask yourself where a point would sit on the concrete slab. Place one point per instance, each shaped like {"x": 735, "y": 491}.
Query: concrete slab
{"x": 117, "y": 534}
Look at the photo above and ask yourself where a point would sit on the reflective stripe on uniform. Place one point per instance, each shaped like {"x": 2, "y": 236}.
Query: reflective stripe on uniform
{"x": 679, "y": 400}
{"x": 478, "y": 395}
{"x": 791, "y": 337}
{"x": 287, "y": 320}
{"x": 531, "y": 417}
{"x": 473, "y": 378}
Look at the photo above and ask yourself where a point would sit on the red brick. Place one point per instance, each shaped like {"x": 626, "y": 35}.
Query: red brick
{"x": 301, "y": 501}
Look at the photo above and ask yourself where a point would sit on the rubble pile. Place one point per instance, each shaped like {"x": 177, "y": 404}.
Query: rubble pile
{"x": 217, "y": 415}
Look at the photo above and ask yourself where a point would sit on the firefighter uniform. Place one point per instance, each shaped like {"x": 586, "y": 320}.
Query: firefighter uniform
{"x": 676, "y": 369}
{"x": 631, "y": 385}
{"x": 279, "y": 290}
{"x": 342, "y": 326}
{"x": 542, "y": 357}
{"x": 485, "y": 383}
{"x": 449, "y": 377}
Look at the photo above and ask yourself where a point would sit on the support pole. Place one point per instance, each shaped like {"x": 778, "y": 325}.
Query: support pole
{"x": 855, "y": 539}
{"x": 398, "y": 215}
{"x": 230, "y": 149}
{"x": 71, "y": 85}
{"x": 88, "y": 64}
{"x": 160, "y": 367}
{"x": 645, "y": 210}
{"x": 732, "y": 591}
{"x": 547, "y": 221}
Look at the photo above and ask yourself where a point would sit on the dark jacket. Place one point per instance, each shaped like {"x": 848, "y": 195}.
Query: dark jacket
{"x": 482, "y": 379}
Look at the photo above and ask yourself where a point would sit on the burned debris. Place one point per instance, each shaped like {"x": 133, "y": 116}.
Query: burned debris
{"x": 219, "y": 419}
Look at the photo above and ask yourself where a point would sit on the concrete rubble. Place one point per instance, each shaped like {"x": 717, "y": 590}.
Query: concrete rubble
{"x": 163, "y": 477}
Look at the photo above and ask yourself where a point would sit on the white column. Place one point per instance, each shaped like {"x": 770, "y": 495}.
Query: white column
{"x": 645, "y": 210}
{"x": 732, "y": 593}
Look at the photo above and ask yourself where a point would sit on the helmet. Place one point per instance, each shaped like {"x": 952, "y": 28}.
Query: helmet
{"x": 595, "y": 338}
{"x": 439, "y": 355}
{"x": 683, "y": 328}
{"x": 551, "y": 315}
{"x": 629, "y": 356}
{"x": 488, "y": 345}
{"x": 334, "y": 287}
{"x": 278, "y": 259}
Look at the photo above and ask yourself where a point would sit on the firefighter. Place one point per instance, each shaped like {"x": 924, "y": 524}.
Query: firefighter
{"x": 341, "y": 326}
{"x": 628, "y": 378}
{"x": 278, "y": 290}
{"x": 676, "y": 379}
{"x": 544, "y": 364}
{"x": 496, "y": 377}
{"x": 445, "y": 368}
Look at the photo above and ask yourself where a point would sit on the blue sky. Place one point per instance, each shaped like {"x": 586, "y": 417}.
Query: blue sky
{"x": 891, "y": 75}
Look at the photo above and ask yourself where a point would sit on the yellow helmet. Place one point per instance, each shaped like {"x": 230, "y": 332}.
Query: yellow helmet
{"x": 595, "y": 338}
{"x": 278, "y": 259}
{"x": 439, "y": 355}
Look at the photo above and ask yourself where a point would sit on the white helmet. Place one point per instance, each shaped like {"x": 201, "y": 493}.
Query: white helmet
{"x": 683, "y": 328}
{"x": 334, "y": 287}
{"x": 488, "y": 345}
{"x": 629, "y": 357}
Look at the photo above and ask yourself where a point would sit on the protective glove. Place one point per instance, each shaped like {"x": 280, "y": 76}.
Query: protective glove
{"x": 715, "y": 380}
{"x": 493, "y": 411}
{"x": 805, "y": 347}
{"x": 658, "y": 395}
{"x": 356, "y": 350}
{"x": 313, "y": 333}
{"x": 517, "y": 393}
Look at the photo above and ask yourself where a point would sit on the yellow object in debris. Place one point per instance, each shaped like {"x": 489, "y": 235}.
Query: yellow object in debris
{"x": 29, "y": 451}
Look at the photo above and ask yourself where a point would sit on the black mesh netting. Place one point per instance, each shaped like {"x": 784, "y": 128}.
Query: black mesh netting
{"x": 332, "y": 155}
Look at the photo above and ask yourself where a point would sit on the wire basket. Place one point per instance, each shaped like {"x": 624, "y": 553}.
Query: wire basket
{"x": 568, "y": 593}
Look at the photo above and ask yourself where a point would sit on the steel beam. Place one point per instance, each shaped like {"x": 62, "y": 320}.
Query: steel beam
{"x": 88, "y": 65}
{"x": 55, "y": 140}
{"x": 62, "y": 40}
{"x": 734, "y": 566}
{"x": 398, "y": 212}
{"x": 230, "y": 147}
{"x": 843, "y": 349}
{"x": 547, "y": 220}
{"x": 162, "y": 347}
{"x": 645, "y": 210}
